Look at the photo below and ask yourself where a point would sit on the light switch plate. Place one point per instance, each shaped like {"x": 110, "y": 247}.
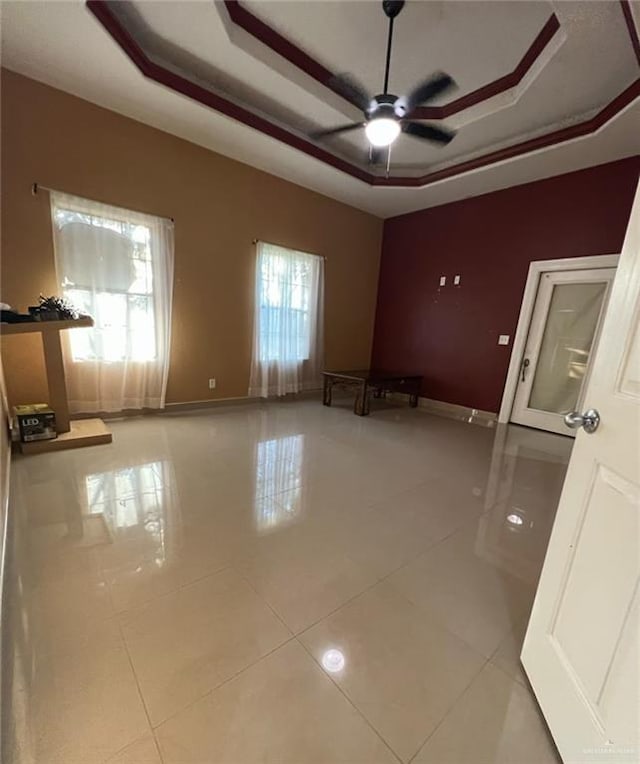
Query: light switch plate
{"x": 456, "y": 280}
{"x": 443, "y": 280}
{"x": 503, "y": 339}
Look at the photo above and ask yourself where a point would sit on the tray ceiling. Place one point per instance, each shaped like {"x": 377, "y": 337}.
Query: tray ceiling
{"x": 525, "y": 74}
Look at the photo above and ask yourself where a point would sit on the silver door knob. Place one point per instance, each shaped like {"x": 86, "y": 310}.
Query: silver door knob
{"x": 589, "y": 421}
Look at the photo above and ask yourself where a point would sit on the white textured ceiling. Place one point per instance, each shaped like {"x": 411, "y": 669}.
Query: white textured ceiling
{"x": 590, "y": 61}
{"x": 476, "y": 43}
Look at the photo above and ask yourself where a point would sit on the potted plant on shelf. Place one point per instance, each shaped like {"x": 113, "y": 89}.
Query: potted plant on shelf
{"x": 53, "y": 309}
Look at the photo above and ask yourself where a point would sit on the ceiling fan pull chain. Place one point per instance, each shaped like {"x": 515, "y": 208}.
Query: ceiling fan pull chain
{"x": 388, "y": 159}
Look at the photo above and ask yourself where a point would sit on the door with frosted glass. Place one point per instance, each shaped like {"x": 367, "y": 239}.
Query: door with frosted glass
{"x": 562, "y": 336}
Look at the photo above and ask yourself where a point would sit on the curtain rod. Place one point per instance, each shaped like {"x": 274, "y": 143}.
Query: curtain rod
{"x": 313, "y": 254}
{"x": 35, "y": 187}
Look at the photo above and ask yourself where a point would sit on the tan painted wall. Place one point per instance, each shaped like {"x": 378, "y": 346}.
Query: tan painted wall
{"x": 5, "y": 454}
{"x": 219, "y": 207}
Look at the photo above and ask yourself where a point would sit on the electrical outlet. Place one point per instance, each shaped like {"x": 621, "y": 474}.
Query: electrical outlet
{"x": 212, "y": 383}
{"x": 503, "y": 339}
{"x": 443, "y": 280}
{"x": 456, "y": 280}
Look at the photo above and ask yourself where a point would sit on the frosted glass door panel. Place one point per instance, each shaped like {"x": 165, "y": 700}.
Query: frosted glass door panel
{"x": 566, "y": 344}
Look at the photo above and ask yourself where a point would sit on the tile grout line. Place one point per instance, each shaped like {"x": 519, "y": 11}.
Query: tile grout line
{"x": 440, "y": 623}
{"x": 348, "y": 699}
{"x": 264, "y": 601}
{"x": 373, "y": 585}
{"x": 211, "y": 690}
{"x": 448, "y": 711}
{"x": 224, "y": 681}
{"x": 294, "y": 636}
{"x": 335, "y": 610}
{"x": 137, "y": 740}
{"x": 297, "y": 634}
{"x": 442, "y": 626}
{"x": 142, "y": 700}
{"x": 157, "y": 745}
{"x": 358, "y": 594}
{"x": 144, "y": 603}
{"x": 506, "y": 675}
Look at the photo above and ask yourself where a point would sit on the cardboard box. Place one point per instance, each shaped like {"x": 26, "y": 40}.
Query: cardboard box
{"x": 36, "y": 421}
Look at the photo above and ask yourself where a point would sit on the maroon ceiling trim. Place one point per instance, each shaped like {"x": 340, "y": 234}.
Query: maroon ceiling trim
{"x": 180, "y": 84}
{"x": 631, "y": 27}
{"x": 500, "y": 85}
{"x": 243, "y": 18}
{"x": 544, "y": 141}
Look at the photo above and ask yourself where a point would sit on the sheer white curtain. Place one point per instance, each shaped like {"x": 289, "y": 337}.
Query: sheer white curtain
{"x": 115, "y": 265}
{"x": 288, "y": 322}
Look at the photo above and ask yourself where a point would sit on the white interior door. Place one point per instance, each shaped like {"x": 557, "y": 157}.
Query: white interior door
{"x": 582, "y": 650}
{"x": 564, "y": 330}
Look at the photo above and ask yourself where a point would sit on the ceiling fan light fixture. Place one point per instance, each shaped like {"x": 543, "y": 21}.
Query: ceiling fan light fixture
{"x": 385, "y": 113}
{"x": 382, "y": 131}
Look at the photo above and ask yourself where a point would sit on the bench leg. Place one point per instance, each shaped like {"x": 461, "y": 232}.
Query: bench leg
{"x": 327, "y": 389}
{"x": 361, "y": 405}
{"x": 413, "y": 397}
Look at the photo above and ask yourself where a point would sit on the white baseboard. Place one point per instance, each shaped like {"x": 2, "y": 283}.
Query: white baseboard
{"x": 216, "y": 402}
{"x": 451, "y": 410}
{"x": 209, "y": 403}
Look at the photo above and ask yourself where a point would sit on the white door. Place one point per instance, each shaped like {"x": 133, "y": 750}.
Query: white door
{"x": 582, "y": 651}
{"x": 564, "y": 330}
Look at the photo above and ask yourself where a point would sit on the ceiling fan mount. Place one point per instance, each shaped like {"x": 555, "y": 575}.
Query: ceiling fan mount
{"x": 386, "y": 115}
{"x": 392, "y": 7}
{"x": 382, "y": 105}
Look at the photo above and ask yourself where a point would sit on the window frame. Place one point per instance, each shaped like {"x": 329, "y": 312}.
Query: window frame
{"x": 98, "y": 343}
{"x": 304, "y": 313}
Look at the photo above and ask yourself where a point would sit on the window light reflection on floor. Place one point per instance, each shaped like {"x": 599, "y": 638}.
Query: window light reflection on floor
{"x": 278, "y": 481}
{"x": 131, "y": 497}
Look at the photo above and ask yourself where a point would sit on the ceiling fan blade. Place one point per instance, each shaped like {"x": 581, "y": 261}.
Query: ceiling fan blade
{"x": 436, "y": 84}
{"x": 428, "y": 132}
{"x": 351, "y": 90}
{"x": 335, "y": 130}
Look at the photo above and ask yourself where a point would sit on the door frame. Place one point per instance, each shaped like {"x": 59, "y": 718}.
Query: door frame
{"x": 536, "y": 269}
{"x": 530, "y": 416}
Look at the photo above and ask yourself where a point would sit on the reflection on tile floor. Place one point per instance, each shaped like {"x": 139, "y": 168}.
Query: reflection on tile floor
{"x": 280, "y": 583}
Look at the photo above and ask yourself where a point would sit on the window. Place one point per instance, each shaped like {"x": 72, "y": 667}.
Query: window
{"x": 108, "y": 274}
{"x": 287, "y": 349}
{"x": 115, "y": 265}
{"x": 286, "y": 280}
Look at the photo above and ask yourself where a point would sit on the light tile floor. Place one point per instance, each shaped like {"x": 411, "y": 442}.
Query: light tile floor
{"x": 280, "y": 583}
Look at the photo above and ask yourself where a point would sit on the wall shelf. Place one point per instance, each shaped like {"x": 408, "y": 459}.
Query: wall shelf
{"x": 26, "y": 327}
{"x": 88, "y": 432}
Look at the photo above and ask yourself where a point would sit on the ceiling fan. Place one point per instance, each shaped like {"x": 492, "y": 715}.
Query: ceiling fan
{"x": 386, "y": 114}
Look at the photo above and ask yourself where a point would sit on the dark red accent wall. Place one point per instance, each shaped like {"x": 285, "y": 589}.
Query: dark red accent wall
{"x": 450, "y": 334}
